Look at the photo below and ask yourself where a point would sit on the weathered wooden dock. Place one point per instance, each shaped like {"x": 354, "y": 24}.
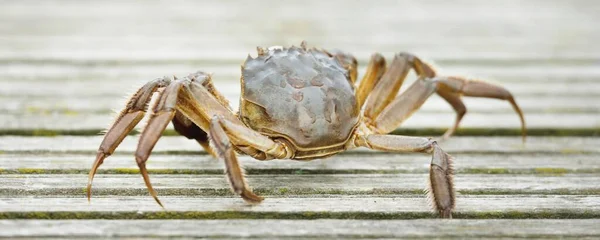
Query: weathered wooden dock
{"x": 65, "y": 65}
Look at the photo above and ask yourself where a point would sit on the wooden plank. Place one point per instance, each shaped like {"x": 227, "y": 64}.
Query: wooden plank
{"x": 321, "y": 228}
{"x": 388, "y": 205}
{"x": 347, "y": 162}
{"x": 174, "y": 144}
{"x": 74, "y": 121}
{"x": 231, "y": 89}
{"x": 77, "y": 105}
{"x": 285, "y": 184}
{"x": 45, "y": 81}
{"x": 131, "y": 71}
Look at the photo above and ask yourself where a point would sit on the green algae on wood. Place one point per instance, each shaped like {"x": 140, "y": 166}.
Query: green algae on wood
{"x": 302, "y": 171}
{"x": 546, "y": 214}
{"x": 283, "y": 192}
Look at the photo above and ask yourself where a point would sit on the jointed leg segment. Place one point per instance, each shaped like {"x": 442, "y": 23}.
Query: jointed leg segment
{"x": 451, "y": 88}
{"x": 190, "y": 103}
{"x": 127, "y": 119}
{"x": 187, "y": 128}
{"x": 371, "y": 78}
{"x": 233, "y": 170}
{"x": 384, "y": 111}
{"x": 441, "y": 188}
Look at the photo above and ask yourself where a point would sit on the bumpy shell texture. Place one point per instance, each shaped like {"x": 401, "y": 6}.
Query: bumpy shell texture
{"x": 303, "y": 95}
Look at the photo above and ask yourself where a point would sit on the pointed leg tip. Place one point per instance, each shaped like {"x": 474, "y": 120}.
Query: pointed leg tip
{"x": 159, "y": 202}
{"x": 99, "y": 159}
{"x": 251, "y": 198}
{"x": 89, "y": 193}
{"x": 144, "y": 172}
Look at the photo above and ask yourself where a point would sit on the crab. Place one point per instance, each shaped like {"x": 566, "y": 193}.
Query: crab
{"x": 302, "y": 104}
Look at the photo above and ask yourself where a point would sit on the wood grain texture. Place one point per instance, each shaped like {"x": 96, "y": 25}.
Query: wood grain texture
{"x": 346, "y": 162}
{"x": 175, "y": 144}
{"x": 391, "y": 204}
{"x": 324, "y": 228}
{"x": 293, "y": 185}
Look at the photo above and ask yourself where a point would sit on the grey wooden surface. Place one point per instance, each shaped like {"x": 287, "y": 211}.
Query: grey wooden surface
{"x": 65, "y": 66}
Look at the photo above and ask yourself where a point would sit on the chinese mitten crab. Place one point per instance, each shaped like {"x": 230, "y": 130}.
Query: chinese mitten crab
{"x": 300, "y": 103}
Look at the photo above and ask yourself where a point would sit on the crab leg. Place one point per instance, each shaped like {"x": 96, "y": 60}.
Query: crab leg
{"x": 233, "y": 170}
{"x": 403, "y": 106}
{"x": 125, "y": 122}
{"x": 374, "y": 72}
{"x": 386, "y": 89}
{"x": 397, "y": 109}
{"x": 163, "y": 112}
{"x": 176, "y": 97}
{"x": 225, "y": 130}
{"x": 189, "y": 99}
{"x": 441, "y": 187}
{"x": 450, "y": 88}
{"x": 187, "y": 128}
{"x": 459, "y": 108}
{"x": 243, "y": 137}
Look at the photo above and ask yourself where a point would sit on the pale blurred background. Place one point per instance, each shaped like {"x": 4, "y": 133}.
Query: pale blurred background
{"x": 67, "y": 64}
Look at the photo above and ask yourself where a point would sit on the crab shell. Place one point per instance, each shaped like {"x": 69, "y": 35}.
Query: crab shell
{"x": 304, "y": 96}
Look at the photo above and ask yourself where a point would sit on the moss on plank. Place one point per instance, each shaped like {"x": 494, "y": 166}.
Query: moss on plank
{"x": 301, "y": 171}
{"x": 546, "y": 214}
{"x": 281, "y": 192}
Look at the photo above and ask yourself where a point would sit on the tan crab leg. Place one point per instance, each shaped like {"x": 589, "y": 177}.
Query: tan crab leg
{"x": 459, "y": 107}
{"x": 225, "y": 130}
{"x": 127, "y": 119}
{"x": 163, "y": 112}
{"x": 450, "y": 88}
{"x": 391, "y": 81}
{"x": 403, "y": 106}
{"x": 176, "y": 97}
{"x": 441, "y": 187}
{"x": 374, "y": 72}
{"x": 196, "y": 103}
{"x": 187, "y": 128}
{"x": 456, "y": 86}
{"x": 234, "y": 172}
{"x": 239, "y": 134}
